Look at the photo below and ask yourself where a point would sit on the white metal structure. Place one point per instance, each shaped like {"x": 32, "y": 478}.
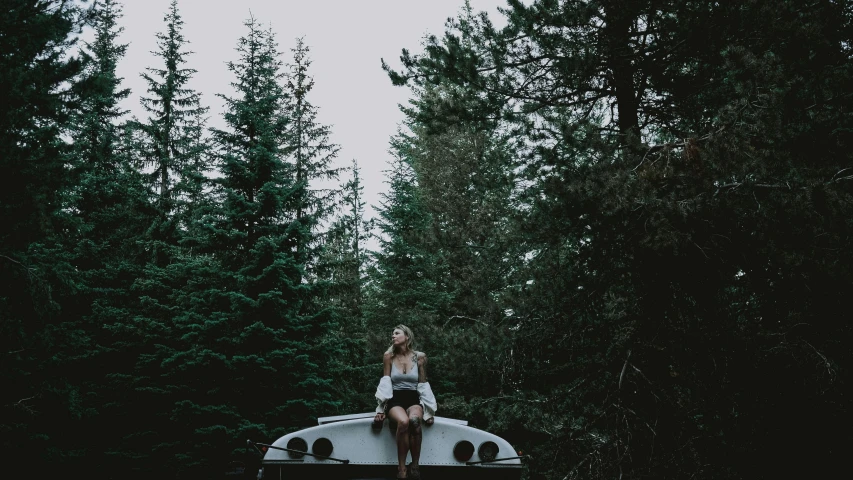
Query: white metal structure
{"x": 346, "y": 447}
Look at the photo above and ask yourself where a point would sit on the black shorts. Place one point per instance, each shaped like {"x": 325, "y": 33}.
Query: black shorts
{"x": 403, "y": 398}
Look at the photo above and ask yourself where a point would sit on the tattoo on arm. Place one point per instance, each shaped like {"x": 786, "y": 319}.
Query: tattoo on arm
{"x": 386, "y": 365}
{"x": 422, "y": 361}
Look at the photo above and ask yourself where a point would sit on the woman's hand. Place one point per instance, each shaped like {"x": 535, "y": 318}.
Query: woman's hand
{"x": 380, "y": 417}
{"x": 429, "y": 420}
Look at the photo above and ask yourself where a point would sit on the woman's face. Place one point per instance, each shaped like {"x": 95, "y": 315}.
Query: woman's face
{"x": 399, "y": 338}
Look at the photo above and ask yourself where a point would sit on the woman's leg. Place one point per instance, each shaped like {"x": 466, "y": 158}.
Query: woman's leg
{"x": 416, "y": 415}
{"x": 399, "y": 416}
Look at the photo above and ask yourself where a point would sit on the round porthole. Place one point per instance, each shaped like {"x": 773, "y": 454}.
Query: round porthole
{"x": 488, "y": 451}
{"x": 463, "y": 451}
{"x": 297, "y": 443}
{"x": 322, "y": 447}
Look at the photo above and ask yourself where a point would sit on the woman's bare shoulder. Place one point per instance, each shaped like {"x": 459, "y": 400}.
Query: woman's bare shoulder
{"x": 387, "y": 356}
{"x": 421, "y": 357}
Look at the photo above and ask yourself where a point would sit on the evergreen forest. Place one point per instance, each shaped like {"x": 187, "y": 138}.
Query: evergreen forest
{"x": 622, "y": 230}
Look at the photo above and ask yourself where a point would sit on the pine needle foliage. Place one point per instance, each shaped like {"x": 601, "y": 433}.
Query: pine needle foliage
{"x": 173, "y": 135}
{"x": 310, "y": 152}
{"x": 682, "y": 200}
{"x": 39, "y": 402}
{"x": 246, "y": 361}
{"x": 111, "y": 207}
{"x": 619, "y": 228}
{"x": 343, "y": 266}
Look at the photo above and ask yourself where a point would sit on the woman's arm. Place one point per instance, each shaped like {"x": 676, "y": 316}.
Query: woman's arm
{"x": 386, "y": 364}
{"x": 422, "y": 361}
{"x": 386, "y": 370}
{"x": 422, "y": 379}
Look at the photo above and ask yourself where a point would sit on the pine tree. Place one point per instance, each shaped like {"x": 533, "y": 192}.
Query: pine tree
{"x": 405, "y": 273}
{"x": 174, "y": 145}
{"x": 345, "y": 258}
{"x": 465, "y": 175}
{"x": 109, "y": 200}
{"x": 343, "y": 266}
{"x": 110, "y": 203}
{"x": 675, "y": 173}
{"x": 141, "y": 321}
{"x": 310, "y": 152}
{"x": 247, "y": 362}
{"x": 38, "y": 71}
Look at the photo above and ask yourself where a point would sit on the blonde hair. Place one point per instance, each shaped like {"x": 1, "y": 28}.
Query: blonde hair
{"x": 410, "y": 342}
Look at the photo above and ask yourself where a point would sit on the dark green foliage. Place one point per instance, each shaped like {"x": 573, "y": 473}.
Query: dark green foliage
{"x": 310, "y": 153}
{"x": 33, "y": 113}
{"x": 345, "y": 257}
{"x": 345, "y": 260}
{"x": 619, "y": 228}
{"x": 148, "y": 219}
{"x": 173, "y": 143}
{"x": 111, "y": 205}
{"x": 405, "y": 272}
{"x": 244, "y": 360}
{"x": 343, "y": 266}
{"x": 109, "y": 198}
{"x": 38, "y": 401}
{"x": 448, "y": 249}
{"x": 682, "y": 210}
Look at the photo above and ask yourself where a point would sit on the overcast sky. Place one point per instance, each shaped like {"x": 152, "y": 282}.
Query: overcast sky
{"x": 347, "y": 39}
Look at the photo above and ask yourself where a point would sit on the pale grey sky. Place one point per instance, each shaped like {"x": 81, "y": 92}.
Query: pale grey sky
{"x": 347, "y": 39}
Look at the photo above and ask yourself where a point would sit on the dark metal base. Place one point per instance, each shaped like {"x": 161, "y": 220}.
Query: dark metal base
{"x": 365, "y": 472}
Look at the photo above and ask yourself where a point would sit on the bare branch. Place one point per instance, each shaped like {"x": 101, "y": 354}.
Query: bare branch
{"x": 463, "y": 317}
{"x": 24, "y": 400}
{"x": 682, "y": 144}
{"x": 15, "y": 261}
{"x": 624, "y": 367}
{"x": 20, "y": 404}
{"x": 849, "y": 177}
{"x": 826, "y": 361}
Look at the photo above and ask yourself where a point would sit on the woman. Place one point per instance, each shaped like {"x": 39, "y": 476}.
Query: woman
{"x": 406, "y": 397}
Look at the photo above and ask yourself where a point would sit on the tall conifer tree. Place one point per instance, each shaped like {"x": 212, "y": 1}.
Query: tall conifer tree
{"x": 343, "y": 266}
{"x": 681, "y": 161}
{"x": 406, "y": 274}
{"x": 170, "y": 148}
{"x": 39, "y": 402}
{"x": 345, "y": 256}
{"x": 310, "y": 152}
{"x": 466, "y": 178}
{"x": 110, "y": 197}
{"x": 248, "y": 359}
{"x": 174, "y": 145}
{"x": 111, "y": 205}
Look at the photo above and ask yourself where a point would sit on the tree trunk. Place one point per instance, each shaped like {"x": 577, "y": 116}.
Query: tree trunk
{"x": 620, "y": 16}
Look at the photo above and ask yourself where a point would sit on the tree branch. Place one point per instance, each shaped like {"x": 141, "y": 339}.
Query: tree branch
{"x": 463, "y": 317}
{"x": 15, "y": 261}
{"x": 682, "y": 144}
{"x": 624, "y": 367}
